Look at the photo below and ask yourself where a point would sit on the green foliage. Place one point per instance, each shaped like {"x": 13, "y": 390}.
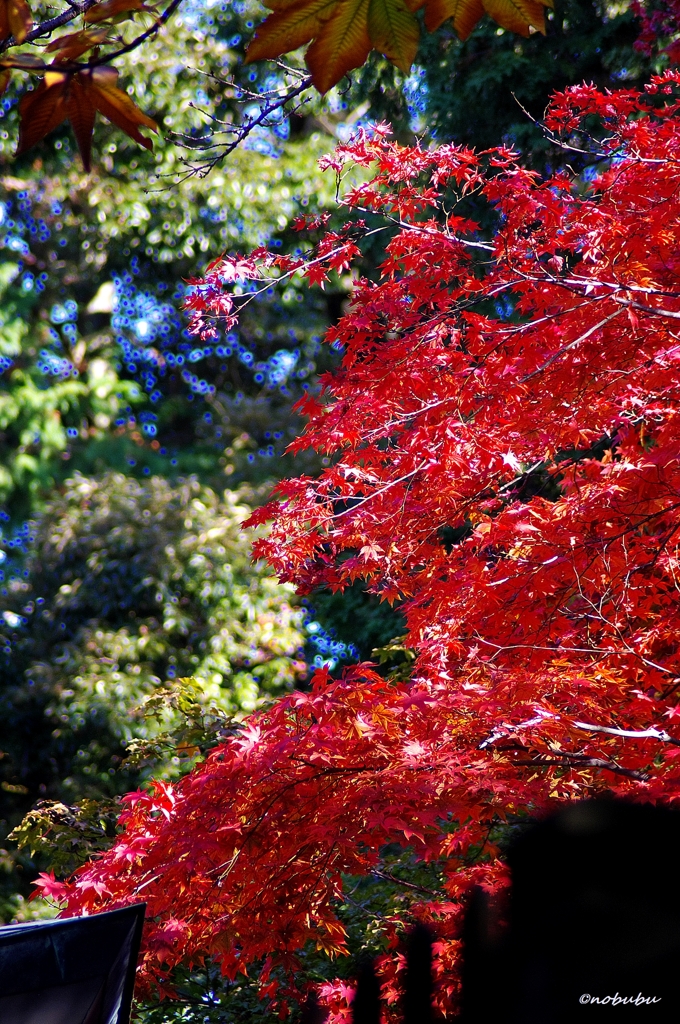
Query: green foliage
{"x": 487, "y": 89}
{"x": 185, "y": 725}
{"x": 67, "y": 836}
{"x": 127, "y": 586}
{"x": 88, "y": 257}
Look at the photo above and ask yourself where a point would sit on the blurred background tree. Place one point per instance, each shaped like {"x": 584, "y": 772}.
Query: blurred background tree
{"x": 99, "y": 375}
{"x": 128, "y": 587}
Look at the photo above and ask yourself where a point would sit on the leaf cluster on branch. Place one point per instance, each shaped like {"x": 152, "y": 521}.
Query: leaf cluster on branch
{"x": 503, "y": 457}
{"x": 70, "y": 88}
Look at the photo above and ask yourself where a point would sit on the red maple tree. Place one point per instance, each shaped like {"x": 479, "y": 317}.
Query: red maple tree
{"x": 503, "y": 455}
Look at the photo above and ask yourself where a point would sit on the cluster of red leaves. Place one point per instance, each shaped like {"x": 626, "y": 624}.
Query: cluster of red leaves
{"x": 513, "y": 476}
{"x": 659, "y": 25}
{"x": 212, "y": 309}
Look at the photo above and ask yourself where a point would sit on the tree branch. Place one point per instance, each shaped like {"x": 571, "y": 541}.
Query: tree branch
{"x": 389, "y": 877}
{"x": 164, "y": 17}
{"x": 76, "y": 10}
{"x": 640, "y": 734}
{"x": 45, "y": 28}
{"x": 240, "y": 132}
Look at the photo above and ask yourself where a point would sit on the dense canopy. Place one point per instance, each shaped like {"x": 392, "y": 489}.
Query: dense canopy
{"x": 503, "y": 457}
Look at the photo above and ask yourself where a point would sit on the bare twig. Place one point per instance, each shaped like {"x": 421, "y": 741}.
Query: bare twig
{"x": 272, "y": 103}
{"x": 389, "y": 877}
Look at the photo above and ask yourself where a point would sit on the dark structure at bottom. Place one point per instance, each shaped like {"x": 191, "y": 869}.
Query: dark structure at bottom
{"x": 591, "y": 930}
{"x": 80, "y": 970}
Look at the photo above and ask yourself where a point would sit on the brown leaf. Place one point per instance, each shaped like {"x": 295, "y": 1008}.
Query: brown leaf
{"x": 78, "y": 96}
{"x": 292, "y": 25}
{"x": 394, "y": 31}
{"x": 42, "y": 110}
{"x": 72, "y": 45}
{"x": 117, "y": 106}
{"x": 342, "y": 44}
{"x": 464, "y": 14}
{"x": 81, "y": 114}
{"x": 111, "y": 9}
{"x": 517, "y": 15}
{"x": 5, "y": 76}
{"x": 15, "y": 20}
{"x": 23, "y": 61}
{"x": 344, "y": 31}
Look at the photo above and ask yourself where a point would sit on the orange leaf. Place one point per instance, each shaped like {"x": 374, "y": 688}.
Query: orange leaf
{"x": 464, "y": 13}
{"x": 342, "y": 44}
{"x": 112, "y": 8}
{"x": 42, "y": 110}
{"x": 517, "y": 15}
{"x": 290, "y": 26}
{"x": 15, "y": 20}
{"x": 117, "y": 106}
{"x": 344, "y": 31}
{"x": 394, "y": 31}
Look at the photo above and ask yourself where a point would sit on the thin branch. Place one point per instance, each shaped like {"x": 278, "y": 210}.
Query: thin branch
{"x": 641, "y": 734}
{"x": 572, "y": 344}
{"x": 75, "y": 11}
{"x": 389, "y": 877}
{"x": 582, "y": 761}
{"x": 240, "y": 132}
{"x": 164, "y": 17}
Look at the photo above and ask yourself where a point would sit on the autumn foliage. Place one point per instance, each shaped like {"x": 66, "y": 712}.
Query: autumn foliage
{"x": 77, "y": 97}
{"x": 503, "y": 457}
{"x": 71, "y": 88}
